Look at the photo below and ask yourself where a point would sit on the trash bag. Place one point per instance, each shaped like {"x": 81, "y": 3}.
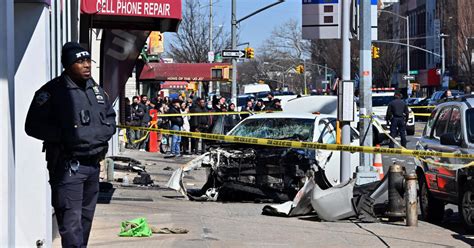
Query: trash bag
{"x": 143, "y": 179}
{"x": 135, "y": 228}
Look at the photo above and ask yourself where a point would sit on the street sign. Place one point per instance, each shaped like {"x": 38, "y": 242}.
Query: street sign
{"x": 233, "y": 54}
{"x": 408, "y": 77}
{"x": 414, "y": 72}
{"x": 210, "y": 56}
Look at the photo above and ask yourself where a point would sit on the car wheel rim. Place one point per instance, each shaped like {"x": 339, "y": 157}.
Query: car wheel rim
{"x": 468, "y": 207}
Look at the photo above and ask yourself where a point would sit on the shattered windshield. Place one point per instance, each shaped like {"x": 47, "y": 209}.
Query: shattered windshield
{"x": 276, "y": 128}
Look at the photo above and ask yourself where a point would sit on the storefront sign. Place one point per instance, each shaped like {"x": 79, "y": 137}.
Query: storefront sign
{"x": 155, "y": 43}
{"x": 119, "y": 53}
{"x": 139, "y": 8}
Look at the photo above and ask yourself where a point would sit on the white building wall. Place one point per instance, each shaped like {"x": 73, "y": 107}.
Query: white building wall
{"x": 7, "y": 165}
{"x": 32, "y": 57}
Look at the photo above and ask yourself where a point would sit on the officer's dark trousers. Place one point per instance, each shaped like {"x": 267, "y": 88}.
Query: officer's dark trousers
{"x": 398, "y": 127}
{"x": 74, "y": 197}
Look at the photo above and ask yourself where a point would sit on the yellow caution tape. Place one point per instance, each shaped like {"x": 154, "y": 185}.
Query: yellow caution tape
{"x": 421, "y": 114}
{"x": 305, "y": 145}
{"x": 215, "y": 113}
{"x": 153, "y": 124}
{"x": 445, "y": 165}
{"x": 421, "y": 107}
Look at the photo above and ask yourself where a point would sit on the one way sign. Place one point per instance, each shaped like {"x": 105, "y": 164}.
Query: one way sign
{"x": 408, "y": 77}
{"x": 233, "y": 54}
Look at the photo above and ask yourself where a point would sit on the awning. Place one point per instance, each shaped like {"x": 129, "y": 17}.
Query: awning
{"x": 180, "y": 85}
{"x": 179, "y": 71}
{"x": 155, "y": 15}
{"x": 428, "y": 78}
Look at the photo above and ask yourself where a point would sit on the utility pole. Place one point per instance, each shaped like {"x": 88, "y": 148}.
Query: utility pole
{"x": 346, "y": 75}
{"x": 364, "y": 172}
{"x": 210, "y": 38}
{"x": 304, "y": 77}
{"x": 325, "y": 72}
{"x": 443, "y": 58}
{"x": 408, "y": 57}
{"x": 233, "y": 33}
{"x": 234, "y": 45}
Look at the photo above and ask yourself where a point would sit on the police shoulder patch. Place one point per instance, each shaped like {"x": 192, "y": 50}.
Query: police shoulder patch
{"x": 42, "y": 97}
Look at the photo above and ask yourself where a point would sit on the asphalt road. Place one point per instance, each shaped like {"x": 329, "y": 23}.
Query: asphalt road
{"x": 215, "y": 224}
{"x": 406, "y": 161}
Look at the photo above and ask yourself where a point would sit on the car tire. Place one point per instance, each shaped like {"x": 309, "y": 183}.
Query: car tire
{"x": 375, "y": 136}
{"x": 466, "y": 206}
{"x": 411, "y": 130}
{"x": 432, "y": 209}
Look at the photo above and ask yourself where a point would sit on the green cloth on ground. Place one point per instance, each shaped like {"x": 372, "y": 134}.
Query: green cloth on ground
{"x": 135, "y": 228}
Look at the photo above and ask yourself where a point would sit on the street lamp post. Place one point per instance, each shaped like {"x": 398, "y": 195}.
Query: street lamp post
{"x": 285, "y": 70}
{"x": 443, "y": 59}
{"x": 407, "y": 19}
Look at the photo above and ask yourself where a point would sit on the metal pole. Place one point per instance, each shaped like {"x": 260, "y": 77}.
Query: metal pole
{"x": 234, "y": 45}
{"x": 443, "y": 60}
{"x": 210, "y": 38}
{"x": 210, "y": 25}
{"x": 408, "y": 57}
{"x": 411, "y": 200}
{"x": 325, "y": 72}
{"x": 364, "y": 172}
{"x": 346, "y": 75}
{"x": 304, "y": 77}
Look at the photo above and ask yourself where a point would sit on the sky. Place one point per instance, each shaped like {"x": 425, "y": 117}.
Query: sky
{"x": 259, "y": 27}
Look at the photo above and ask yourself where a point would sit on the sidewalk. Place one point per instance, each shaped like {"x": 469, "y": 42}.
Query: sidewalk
{"x": 212, "y": 224}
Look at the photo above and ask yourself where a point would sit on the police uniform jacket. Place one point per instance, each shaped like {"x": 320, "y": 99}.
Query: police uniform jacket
{"x": 81, "y": 121}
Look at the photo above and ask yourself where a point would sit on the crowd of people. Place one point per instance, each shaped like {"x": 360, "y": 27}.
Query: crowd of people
{"x": 138, "y": 113}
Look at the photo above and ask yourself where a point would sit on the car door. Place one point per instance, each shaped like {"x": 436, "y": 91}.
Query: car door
{"x": 327, "y": 160}
{"x": 432, "y": 143}
{"x": 447, "y": 178}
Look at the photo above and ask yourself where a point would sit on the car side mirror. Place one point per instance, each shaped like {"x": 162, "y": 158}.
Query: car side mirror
{"x": 449, "y": 139}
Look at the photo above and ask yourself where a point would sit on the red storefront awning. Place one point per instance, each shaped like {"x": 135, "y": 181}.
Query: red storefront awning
{"x": 155, "y": 15}
{"x": 174, "y": 85}
{"x": 178, "y": 71}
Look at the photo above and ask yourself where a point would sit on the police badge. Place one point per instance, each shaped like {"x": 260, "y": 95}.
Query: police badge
{"x": 42, "y": 97}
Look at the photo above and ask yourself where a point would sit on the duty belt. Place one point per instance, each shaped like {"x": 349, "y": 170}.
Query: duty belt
{"x": 89, "y": 161}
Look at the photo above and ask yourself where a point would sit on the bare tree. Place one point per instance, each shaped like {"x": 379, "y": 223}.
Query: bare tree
{"x": 390, "y": 55}
{"x": 465, "y": 38}
{"x": 285, "y": 42}
{"x": 191, "y": 43}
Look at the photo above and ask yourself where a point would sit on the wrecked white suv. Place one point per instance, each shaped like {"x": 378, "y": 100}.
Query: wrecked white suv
{"x": 248, "y": 172}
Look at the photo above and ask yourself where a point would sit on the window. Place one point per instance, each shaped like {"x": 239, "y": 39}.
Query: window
{"x": 429, "y": 124}
{"x": 441, "y": 122}
{"x": 328, "y": 132}
{"x": 328, "y": 19}
{"x": 470, "y": 124}
{"x": 455, "y": 124}
{"x": 328, "y": 9}
{"x": 378, "y": 101}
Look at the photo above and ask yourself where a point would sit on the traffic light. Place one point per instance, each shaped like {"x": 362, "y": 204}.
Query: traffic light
{"x": 375, "y": 52}
{"x": 300, "y": 69}
{"x": 249, "y": 53}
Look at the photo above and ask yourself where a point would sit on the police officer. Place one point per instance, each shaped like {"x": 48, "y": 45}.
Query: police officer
{"x": 74, "y": 118}
{"x": 397, "y": 117}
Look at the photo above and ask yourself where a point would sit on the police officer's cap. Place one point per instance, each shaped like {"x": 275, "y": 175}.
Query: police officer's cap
{"x": 72, "y": 52}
